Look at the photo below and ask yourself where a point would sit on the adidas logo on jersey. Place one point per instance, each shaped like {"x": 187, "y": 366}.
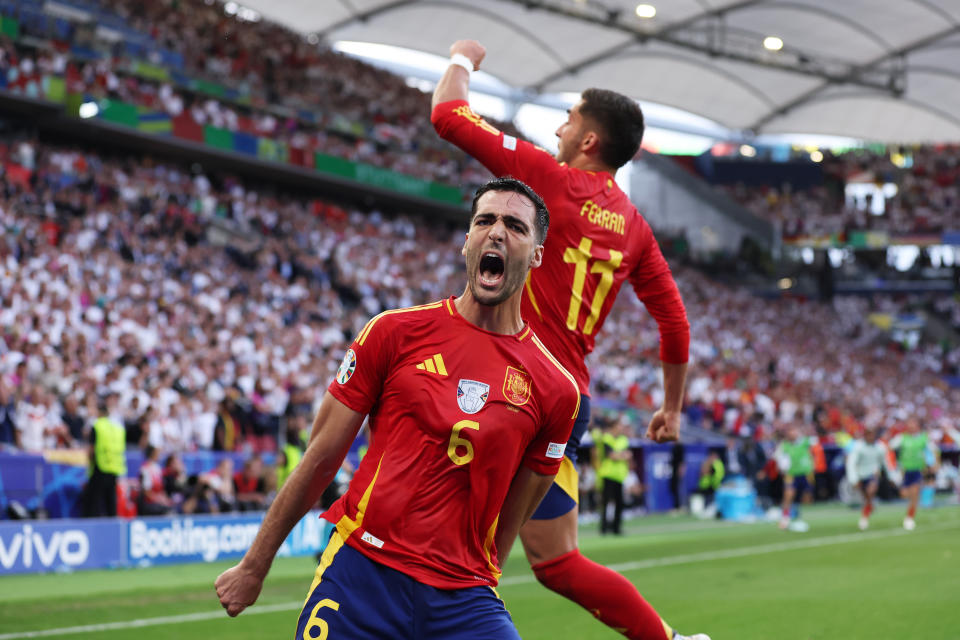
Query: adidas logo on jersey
{"x": 433, "y": 365}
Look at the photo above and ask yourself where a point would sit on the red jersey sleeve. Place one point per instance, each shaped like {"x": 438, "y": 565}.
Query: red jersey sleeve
{"x": 545, "y": 452}
{"x": 359, "y": 380}
{"x": 503, "y": 155}
{"x": 657, "y": 290}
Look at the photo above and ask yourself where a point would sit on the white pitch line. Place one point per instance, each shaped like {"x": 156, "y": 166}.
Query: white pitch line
{"x": 149, "y": 622}
{"x": 724, "y": 554}
{"x": 688, "y": 558}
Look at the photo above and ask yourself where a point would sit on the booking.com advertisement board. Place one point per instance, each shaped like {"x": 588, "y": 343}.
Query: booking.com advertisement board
{"x": 65, "y": 545}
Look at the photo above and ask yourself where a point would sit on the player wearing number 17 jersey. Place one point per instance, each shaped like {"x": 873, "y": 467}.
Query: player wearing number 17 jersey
{"x": 598, "y": 241}
{"x": 469, "y": 415}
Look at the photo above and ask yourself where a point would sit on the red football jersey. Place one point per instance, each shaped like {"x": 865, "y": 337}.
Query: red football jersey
{"x": 454, "y": 412}
{"x": 597, "y": 240}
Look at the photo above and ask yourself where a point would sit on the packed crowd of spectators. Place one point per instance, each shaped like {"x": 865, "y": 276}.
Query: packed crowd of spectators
{"x": 110, "y": 284}
{"x": 285, "y": 74}
{"x": 759, "y": 365}
{"x": 212, "y": 314}
{"x": 281, "y": 73}
{"x": 927, "y": 198}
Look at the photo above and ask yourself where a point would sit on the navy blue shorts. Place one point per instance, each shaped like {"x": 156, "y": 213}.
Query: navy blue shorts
{"x": 564, "y": 494}
{"x": 355, "y": 598}
{"x": 802, "y": 484}
{"x": 911, "y": 478}
{"x": 866, "y": 482}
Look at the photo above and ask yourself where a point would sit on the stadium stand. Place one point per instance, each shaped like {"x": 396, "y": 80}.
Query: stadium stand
{"x": 927, "y": 198}
{"x": 115, "y": 280}
{"x": 250, "y": 79}
{"x": 204, "y": 299}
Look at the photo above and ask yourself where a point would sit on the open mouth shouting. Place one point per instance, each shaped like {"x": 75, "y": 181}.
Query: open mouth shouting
{"x": 491, "y": 269}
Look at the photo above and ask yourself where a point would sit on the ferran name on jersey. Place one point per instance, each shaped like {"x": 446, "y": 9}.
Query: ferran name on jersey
{"x": 517, "y": 386}
{"x": 472, "y": 395}
{"x": 347, "y": 367}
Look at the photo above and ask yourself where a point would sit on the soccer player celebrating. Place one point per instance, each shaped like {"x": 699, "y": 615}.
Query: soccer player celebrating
{"x": 796, "y": 461}
{"x": 598, "y": 242}
{"x": 863, "y": 470}
{"x": 469, "y": 414}
{"x": 913, "y": 445}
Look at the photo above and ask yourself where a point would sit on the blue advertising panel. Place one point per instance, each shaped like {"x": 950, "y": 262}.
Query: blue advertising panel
{"x": 56, "y": 479}
{"x": 63, "y": 545}
{"x": 658, "y": 472}
{"x": 59, "y": 545}
{"x": 208, "y": 538}
{"x": 693, "y": 457}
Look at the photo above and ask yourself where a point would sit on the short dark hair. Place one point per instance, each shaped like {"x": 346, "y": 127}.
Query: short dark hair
{"x": 541, "y": 215}
{"x": 620, "y": 120}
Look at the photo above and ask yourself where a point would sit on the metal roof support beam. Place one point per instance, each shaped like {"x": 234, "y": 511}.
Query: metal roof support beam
{"x": 897, "y": 78}
{"x": 717, "y": 42}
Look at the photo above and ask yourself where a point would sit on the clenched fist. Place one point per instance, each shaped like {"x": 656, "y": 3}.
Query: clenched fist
{"x": 237, "y": 589}
{"x": 470, "y": 48}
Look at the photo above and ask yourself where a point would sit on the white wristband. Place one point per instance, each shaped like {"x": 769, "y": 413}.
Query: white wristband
{"x": 462, "y": 61}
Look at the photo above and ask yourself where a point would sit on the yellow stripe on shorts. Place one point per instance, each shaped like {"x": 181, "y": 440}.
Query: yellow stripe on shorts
{"x": 568, "y": 480}
{"x": 333, "y": 546}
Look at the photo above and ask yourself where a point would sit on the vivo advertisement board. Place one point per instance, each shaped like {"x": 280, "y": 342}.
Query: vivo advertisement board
{"x": 59, "y": 545}
{"x": 64, "y": 545}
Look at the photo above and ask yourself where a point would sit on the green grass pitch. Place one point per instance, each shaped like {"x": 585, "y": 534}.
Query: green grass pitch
{"x": 733, "y": 581}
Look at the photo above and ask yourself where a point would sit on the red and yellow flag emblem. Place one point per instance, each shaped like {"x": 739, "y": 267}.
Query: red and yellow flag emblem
{"x": 517, "y": 386}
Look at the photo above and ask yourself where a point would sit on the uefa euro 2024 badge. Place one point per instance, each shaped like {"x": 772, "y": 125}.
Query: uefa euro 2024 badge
{"x": 472, "y": 395}
{"x": 347, "y": 367}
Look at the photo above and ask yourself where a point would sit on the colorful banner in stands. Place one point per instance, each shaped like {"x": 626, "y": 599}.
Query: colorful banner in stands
{"x": 9, "y": 27}
{"x": 63, "y": 545}
{"x": 184, "y": 127}
{"x": 383, "y": 178}
{"x": 868, "y": 239}
{"x": 874, "y": 240}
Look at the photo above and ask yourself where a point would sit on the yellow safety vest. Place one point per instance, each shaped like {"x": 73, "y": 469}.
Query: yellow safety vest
{"x": 611, "y": 469}
{"x": 109, "y": 450}
{"x": 293, "y": 459}
{"x": 715, "y": 478}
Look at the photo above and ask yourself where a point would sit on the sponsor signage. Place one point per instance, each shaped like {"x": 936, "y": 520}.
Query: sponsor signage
{"x": 58, "y": 545}
{"x": 64, "y": 545}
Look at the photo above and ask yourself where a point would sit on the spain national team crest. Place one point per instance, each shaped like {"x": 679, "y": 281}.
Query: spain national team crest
{"x": 517, "y": 386}
{"x": 472, "y": 395}
{"x": 347, "y": 367}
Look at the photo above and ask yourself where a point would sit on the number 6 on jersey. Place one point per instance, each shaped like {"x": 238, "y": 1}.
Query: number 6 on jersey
{"x": 457, "y": 441}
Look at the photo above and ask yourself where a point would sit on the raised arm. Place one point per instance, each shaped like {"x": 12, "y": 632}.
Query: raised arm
{"x": 525, "y": 493}
{"x": 334, "y": 429}
{"x": 455, "y": 83}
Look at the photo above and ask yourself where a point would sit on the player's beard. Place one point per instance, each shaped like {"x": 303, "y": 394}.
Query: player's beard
{"x": 514, "y": 274}
{"x": 567, "y": 149}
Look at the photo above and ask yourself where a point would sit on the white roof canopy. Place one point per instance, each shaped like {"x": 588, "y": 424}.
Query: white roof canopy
{"x": 883, "y": 70}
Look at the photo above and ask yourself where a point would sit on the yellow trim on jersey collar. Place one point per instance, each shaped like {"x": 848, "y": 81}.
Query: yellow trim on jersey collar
{"x": 366, "y": 330}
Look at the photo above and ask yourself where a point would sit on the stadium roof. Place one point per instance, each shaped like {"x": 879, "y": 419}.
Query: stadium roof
{"x": 881, "y": 70}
